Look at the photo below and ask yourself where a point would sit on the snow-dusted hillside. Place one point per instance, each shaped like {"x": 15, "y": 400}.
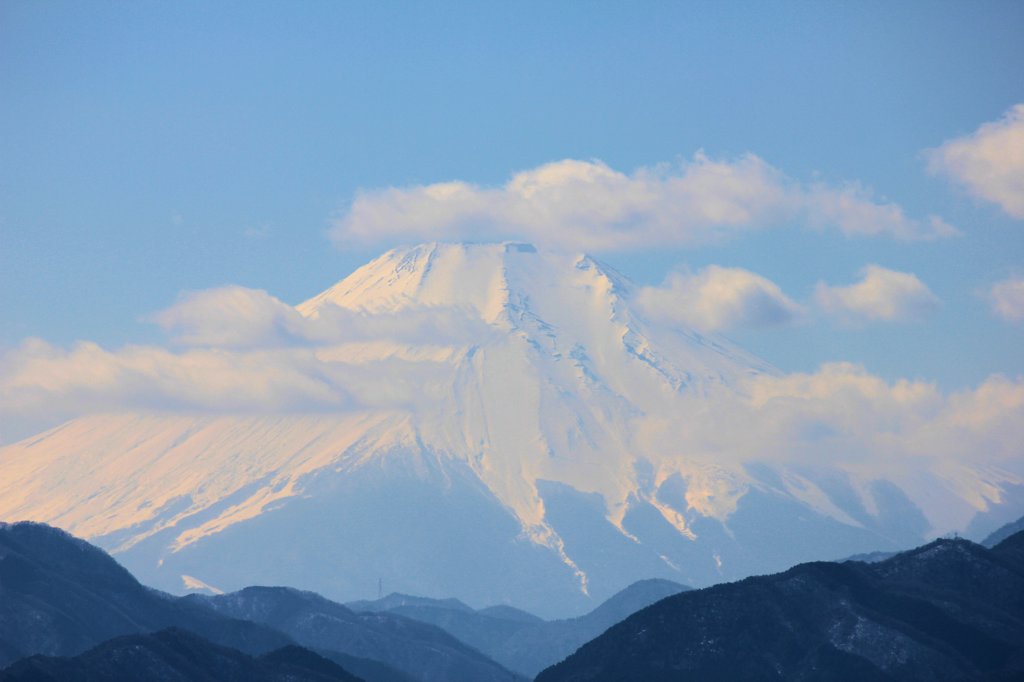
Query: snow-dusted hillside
{"x": 522, "y": 452}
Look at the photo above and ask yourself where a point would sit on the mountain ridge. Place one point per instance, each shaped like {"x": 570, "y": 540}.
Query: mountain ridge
{"x": 413, "y": 647}
{"x": 61, "y": 597}
{"x": 521, "y": 642}
{"x": 949, "y": 610}
{"x": 176, "y": 655}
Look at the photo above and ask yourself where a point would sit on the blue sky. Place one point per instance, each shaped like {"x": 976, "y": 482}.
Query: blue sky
{"x": 152, "y": 148}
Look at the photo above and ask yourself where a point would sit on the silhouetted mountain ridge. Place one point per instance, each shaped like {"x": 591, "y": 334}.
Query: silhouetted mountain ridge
{"x": 518, "y": 640}
{"x": 950, "y": 610}
{"x": 175, "y": 655}
{"x": 420, "y": 649}
{"x": 60, "y": 596}
{"x": 397, "y": 600}
{"x": 1003, "y": 532}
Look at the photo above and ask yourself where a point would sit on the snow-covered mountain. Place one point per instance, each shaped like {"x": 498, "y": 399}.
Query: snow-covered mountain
{"x": 512, "y": 453}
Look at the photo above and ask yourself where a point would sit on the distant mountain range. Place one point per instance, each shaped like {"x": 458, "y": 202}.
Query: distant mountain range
{"x": 518, "y": 640}
{"x": 70, "y": 611}
{"x": 61, "y": 597}
{"x": 950, "y": 610}
{"x": 1003, "y": 532}
{"x": 421, "y": 650}
{"x": 518, "y": 408}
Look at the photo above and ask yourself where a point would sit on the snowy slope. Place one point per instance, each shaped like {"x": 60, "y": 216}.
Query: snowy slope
{"x": 512, "y": 457}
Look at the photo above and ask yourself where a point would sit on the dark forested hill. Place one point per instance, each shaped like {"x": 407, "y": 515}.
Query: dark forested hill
{"x": 951, "y": 610}
{"x": 175, "y": 655}
{"x": 60, "y": 596}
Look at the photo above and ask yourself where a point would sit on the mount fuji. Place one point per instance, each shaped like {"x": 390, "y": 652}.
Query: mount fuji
{"x": 503, "y": 440}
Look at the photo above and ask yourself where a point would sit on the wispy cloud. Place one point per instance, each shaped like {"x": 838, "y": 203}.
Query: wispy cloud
{"x": 1007, "y": 299}
{"x": 858, "y": 418}
{"x": 718, "y": 298}
{"x": 853, "y": 210}
{"x": 587, "y": 204}
{"x": 248, "y": 353}
{"x": 239, "y": 318}
{"x": 230, "y": 316}
{"x": 881, "y": 295}
{"x": 789, "y": 416}
{"x": 848, "y": 415}
{"x": 41, "y": 383}
{"x": 233, "y": 350}
{"x": 988, "y": 163}
{"x": 950, "y": 452}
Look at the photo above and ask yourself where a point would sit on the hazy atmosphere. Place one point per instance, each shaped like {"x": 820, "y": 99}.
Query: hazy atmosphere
{"x": 514, "y": 303}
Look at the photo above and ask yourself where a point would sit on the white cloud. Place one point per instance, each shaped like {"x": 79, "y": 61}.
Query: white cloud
{"x": 240, "y": 350}
{"x": 237, "y": 317}
{"x": 586, "y": 204}
{"x": 907, "y": 431}
{"x": 860, "y": 417}
{"x": 42, "y": 385}
{"x": 719, "y": 298}
{"x": 230, "y": 316}
{"x": 988, "y": 163}
{"x": 1007, "y": 299}
{"x": 42, "y": 382}
{"x": 953, "y": 454}
{"x": 840, "y": 414}
{"x": 880, "y": 295}
{"x": 853, "y": 210}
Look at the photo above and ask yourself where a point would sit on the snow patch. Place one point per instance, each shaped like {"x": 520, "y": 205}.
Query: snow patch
{"x": 196, "y": 585}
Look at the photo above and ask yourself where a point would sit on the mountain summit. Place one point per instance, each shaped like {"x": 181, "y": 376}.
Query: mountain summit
{"x": 508, "y": 438}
